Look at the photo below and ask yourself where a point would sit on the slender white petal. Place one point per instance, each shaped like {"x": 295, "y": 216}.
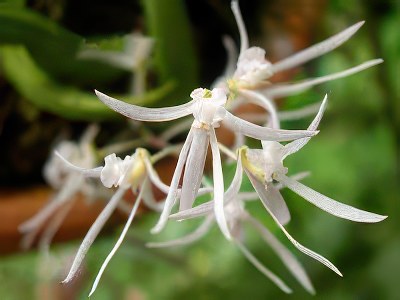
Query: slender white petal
{"x": 284, "y": 254}
{"x": 94, "y": 231}
{"x": 64, "y": 195}
{"x": 252, "y": 196}
{"x": 298, "y": 176}
{"x": 197, "y": 211}
{"x": 263, "y": 133}
{"x": 29, "y": 237}
{"x": 173, "y": 191}
{"x": 283, "y": 90}
{"x": 119, "y": 241}
{"x": 316, "y": 50}
{"x": 300, "y": 113}
{"x": 153, "y": 176}
{"x": 194, "y": 168}
{"x": 244, "y": 39}
{"x": 85, "y": 172}
{"x": 218, "y": 186}
{"x": 206, "y": 208}
{"x": 187, "y": 239}
{"x": 274, "y": 278}
{"x": 148, "y": 197}
{"x": 300, "y": 143}
{"x": 162, "y": 186}
{"x": 90, "y": 133}
{"x": 146, "y": 114}
{"x": 266, "y": 103}
{"x": 329, "y": 205}
{"x": 303, "y": 249}
{"x": 271, "y": 199}
{"x": 232, "y": 55}
{"x": 52, "y": 228}
{"x": 234, "y": 187}
{"x": 247, "y": 196}
{"x": 49, "y": 231}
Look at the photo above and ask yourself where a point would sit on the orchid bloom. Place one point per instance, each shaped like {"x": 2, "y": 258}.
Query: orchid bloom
{"x": 246, "y": 77}
{"x": 253, "y": 70}
{"x": 207, "y": 108}
{"x": 236, "y": 216}
{"x": 68, "y": 185}
{"x": 265, "y": 170}
{"x": 131, "y": 173}
{"x": 134, "y": 173}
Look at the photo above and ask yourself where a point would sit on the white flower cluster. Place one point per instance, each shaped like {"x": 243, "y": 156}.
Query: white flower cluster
{"x": 245, "y": 81}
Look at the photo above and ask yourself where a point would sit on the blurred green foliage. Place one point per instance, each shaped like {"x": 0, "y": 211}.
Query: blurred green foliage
{"x": 354, "y": 159}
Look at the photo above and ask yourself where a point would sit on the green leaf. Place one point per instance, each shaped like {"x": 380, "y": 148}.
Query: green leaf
{"x": 53, "y": 47}
{"x": 66, "y": 101}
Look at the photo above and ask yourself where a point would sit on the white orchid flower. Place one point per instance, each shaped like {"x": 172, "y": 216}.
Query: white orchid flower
{"x": 68, "y": 185}
{"x": 236, "y": 216}
{"x": 253, "y": 69}
{"x": 249, "y": 78}
{"x": 264, "y": 167}
{"x": 134, "y": 173}
{"x": 207, "y": 108}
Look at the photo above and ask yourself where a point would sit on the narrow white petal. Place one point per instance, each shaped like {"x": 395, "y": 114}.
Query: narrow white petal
{"x": 244, "y": 39}
{"x": 206, "y": 208}
{"x": 303, "y": 249}
{"x": 119, "y": 241}
{"x": 300, "y": 143}
{"x": 300, "y": 113}
{"x": 316, "y": 50}
{"x": 89, "y": 134}
{"x": 66, "y": 194}
{"x": 329, "y": 205}
{"x": 197, "y": 211}
{"x": 194, "y": 168}
{"x": 85, "y": 172}
{"x": 173, "y": 190}
{"x": 52, "y": 228}
{"x": 283, "y": 90}
{"x": 114, "y": 58}
{"x": 232, "y": 55}
{"x": 146, "y": 114}
{"x": 218, "y": 179}
{"x": 247, "y": 196}
{"x": 284, "y": 254}
{"x": 93, "y": 232}
{"x": 256, "y": 263}
{"x": 264, "y": 133}
{"x": 298, "y": 176}
{"x": 29, "y": 237}
{"x": 148, "y": 197}
{"x": 271, "y": 199}
{"x": 252, "y": 196}
{"x": 187, "y": 239}
{"x": 154, "y": 178}
{"x": 162, "y": 186}
{"x": 234, "y": 187}
{"x": 265, "y": 103}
